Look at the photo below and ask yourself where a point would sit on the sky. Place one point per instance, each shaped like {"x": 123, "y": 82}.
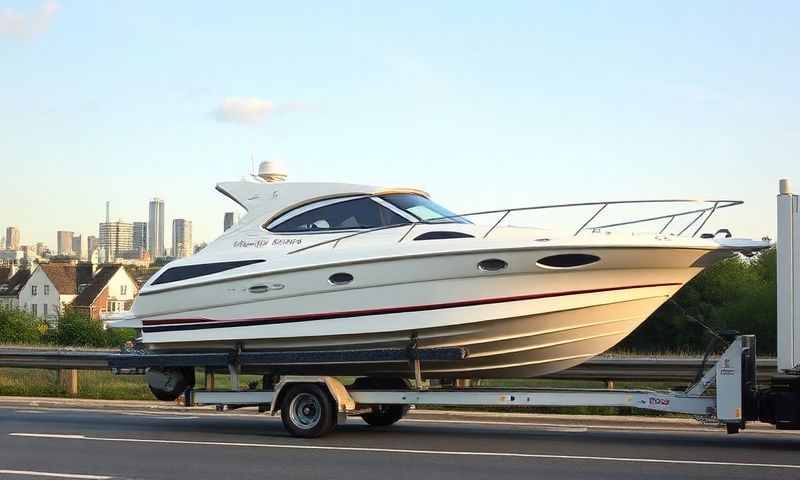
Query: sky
{"x": 484, "y": 104}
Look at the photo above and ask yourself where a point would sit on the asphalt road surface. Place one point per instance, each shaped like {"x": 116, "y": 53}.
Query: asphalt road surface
{"x": 94, "y": 444}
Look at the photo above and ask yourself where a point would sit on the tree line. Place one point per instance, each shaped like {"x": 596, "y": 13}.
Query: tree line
{"x": 18, "y": 327}
{"x": 735, "y": 294}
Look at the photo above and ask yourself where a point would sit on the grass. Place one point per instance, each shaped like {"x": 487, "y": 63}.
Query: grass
{"x": 93, "y": 384}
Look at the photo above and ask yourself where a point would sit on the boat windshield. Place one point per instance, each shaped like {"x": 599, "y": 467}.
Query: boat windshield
{"x": 423, "y": 208}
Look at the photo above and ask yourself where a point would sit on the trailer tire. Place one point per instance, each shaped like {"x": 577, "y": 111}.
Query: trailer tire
{"x": 385, "y": 415}
{"x": 167, "y": 384}
{"x": 308, "y": 411}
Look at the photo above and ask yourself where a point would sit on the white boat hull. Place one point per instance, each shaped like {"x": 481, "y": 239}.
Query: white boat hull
{"x": 526, "y": 321}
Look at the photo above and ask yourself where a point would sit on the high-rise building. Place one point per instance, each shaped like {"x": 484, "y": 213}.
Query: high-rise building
{"x": 228, "y": 222}
{"x": 181, "y": 238}
{"x": 91, "y": 245}
{"x": 77, "y": 246}
{"x": 140, "y": 237}
{"x": 12, "y": 238}
{"x": 155, "y": 229}
{"x": 64, "y": 242}
{"x": 116, "y": 238}
{"x": 40, "y": 249}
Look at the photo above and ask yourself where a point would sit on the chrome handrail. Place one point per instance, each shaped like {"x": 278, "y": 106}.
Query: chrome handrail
{"x": 670, "y": 217}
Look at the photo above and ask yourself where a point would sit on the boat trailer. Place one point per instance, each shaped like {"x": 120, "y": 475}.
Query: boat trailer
{"x": 727, "y": 394}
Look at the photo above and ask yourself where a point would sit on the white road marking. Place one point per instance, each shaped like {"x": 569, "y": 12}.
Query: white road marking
{"x": 159, "y": 416}
{"x": 29, "y": 473}
{"x": 566, "y": 427}
{"x": 413, "y": 451}
{"x": 143, "y": 413}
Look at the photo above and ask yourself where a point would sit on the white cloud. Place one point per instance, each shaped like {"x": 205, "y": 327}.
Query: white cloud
{"x": 27, "y": 25}
{"x": 251, "y": 110}
{"x": 248, "y": 110}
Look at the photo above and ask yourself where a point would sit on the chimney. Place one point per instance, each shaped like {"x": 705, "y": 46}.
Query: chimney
{"x": 85, "y": 273}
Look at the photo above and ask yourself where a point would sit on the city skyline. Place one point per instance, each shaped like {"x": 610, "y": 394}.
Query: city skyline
{"x": 118, "y": 238}
{"x": 68, "y": 242}
{"x": 483, "y": 106}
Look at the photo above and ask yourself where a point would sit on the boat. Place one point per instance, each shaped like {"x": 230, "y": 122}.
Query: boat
{"x": 336, "y": 266}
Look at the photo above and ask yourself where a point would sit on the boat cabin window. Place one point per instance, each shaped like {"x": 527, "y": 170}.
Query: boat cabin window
{"x": 358, "y": 213}
{"x": 423, "y": 208}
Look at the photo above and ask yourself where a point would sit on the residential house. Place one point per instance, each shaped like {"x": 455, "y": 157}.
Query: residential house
{"x": 52, "y": 286}
{"x": 112, "y": 290}
{"x": 11, "y": 287}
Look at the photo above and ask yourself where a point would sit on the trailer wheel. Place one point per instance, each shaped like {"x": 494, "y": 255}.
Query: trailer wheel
{"x": 308, "y": 411}
{"x": 385, "y": 415}
{"x": 167, "y": 384}
{"x": 732, "y": 428}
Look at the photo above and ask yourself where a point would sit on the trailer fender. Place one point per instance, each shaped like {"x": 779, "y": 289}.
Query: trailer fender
{"x": 341, "y": 397}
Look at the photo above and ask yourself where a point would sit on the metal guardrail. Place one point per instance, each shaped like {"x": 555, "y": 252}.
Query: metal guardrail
{"x": 629, "y": 368}
{"x": 55, "y": 359}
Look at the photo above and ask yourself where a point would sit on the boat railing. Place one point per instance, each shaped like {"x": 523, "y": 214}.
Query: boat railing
{"x": 700, "y": 214}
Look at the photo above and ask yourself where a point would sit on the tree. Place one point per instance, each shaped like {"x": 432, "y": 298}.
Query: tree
{"x": 735, "y": 294}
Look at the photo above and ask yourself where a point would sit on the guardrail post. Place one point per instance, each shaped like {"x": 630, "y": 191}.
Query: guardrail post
{"x": 68, "y": 378}
{"x": 209, "y": 378}
{"x": 609, "y": 384}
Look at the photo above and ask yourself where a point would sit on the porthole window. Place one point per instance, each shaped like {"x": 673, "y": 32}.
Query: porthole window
{"x": 492, "y": 265}
{"x": 568, "y": 260}
{"x": 340, "y": 278}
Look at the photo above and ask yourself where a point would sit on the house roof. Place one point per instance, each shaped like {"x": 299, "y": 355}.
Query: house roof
{"x": 12, "y": 286}
{"x": 5, "y": 273}
{"x": 63, "y": 276}
{"x": 95, "y": 288}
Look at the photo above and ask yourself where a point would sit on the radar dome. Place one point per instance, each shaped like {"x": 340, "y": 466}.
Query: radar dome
{"x": 272, "y": 171}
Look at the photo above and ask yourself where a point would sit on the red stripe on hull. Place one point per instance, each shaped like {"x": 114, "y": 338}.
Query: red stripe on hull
{"x": 384, "y": 311}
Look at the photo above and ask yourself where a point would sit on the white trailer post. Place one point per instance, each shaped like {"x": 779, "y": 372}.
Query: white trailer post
{"x": 788, "y": 279}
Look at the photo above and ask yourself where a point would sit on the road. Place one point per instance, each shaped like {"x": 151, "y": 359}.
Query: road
{"x": 96, "y": 444}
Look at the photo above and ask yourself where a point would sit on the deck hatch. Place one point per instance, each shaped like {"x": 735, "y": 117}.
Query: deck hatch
{"x": 440, "y": 235}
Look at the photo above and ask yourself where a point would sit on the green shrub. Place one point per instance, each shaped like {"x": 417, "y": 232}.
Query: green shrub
{"x": 19, "y": 327}
{"x": 75, "y": 330}
{"x": 119, "y": 336}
